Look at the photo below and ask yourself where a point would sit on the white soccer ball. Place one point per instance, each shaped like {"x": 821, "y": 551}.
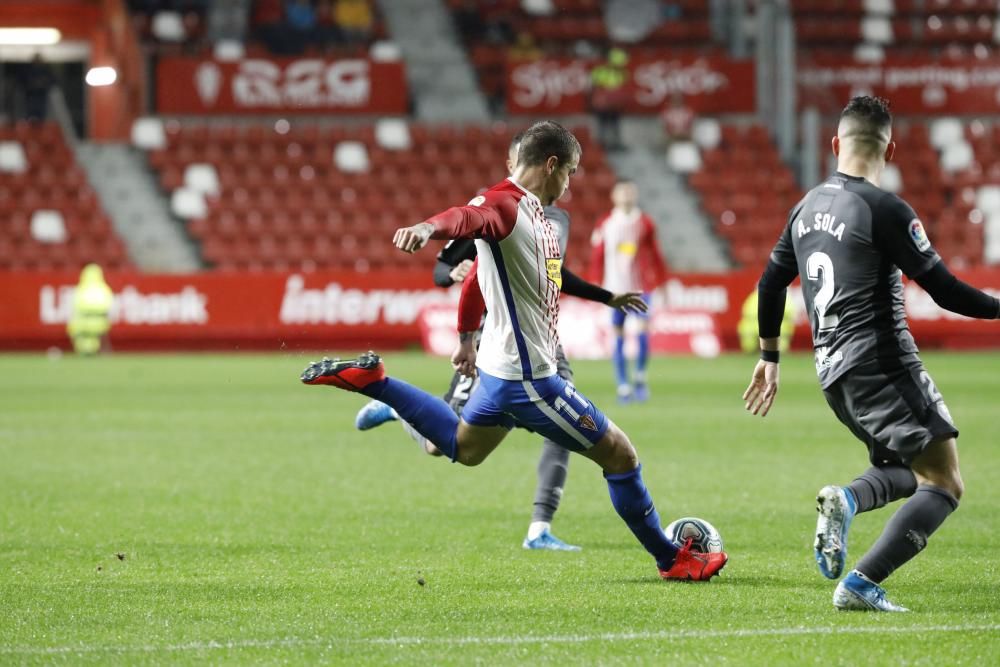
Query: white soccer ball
{"x": 703, "y": 535}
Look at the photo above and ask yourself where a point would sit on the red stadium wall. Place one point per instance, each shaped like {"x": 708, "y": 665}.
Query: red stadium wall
{"x": 346, "y": 310}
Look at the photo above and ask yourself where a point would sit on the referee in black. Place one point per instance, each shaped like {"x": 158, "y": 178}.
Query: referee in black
{"x": 850, "y": 242}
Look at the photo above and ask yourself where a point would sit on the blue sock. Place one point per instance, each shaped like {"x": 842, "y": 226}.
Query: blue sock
{"x": 432, "y": 417}
{"x": 635, "y": 506}
{"x": 621, "y": 374}
{"x": 640, "y": 362}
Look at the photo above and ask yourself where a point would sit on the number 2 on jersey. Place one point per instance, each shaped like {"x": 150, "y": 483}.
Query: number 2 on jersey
{"x": 819, "y": 266}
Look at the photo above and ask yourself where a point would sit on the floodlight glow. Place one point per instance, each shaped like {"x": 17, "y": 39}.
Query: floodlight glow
{"x": 29, "y": 36}
{"x": 101, "y": 76}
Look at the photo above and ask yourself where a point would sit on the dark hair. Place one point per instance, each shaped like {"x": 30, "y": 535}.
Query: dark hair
{"x": 544, "y": 140}
{"x": 515, "y": 141}
{"x": 870, "y": 122}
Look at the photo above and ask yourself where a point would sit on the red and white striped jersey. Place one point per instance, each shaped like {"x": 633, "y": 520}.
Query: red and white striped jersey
{"x": 520, "y": 273}
{"x": 625, "y": 255}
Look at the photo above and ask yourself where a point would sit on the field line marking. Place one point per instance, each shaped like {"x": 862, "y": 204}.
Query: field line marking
{"x": 493, "y": 641}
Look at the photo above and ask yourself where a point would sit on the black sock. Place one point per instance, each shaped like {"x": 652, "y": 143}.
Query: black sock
{"x": 877, "y": 487}
{"x": 907, "y": 531}
{"x": 551, "y": 479}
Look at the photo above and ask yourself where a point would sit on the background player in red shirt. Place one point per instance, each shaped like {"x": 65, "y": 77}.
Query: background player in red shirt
{"x": 626, "y": 258}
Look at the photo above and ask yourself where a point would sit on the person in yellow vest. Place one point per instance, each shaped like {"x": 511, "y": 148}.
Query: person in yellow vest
{"x": 91, "y": 319}
{"x": 608, "y": 97}
{"x": 747, "y": 328}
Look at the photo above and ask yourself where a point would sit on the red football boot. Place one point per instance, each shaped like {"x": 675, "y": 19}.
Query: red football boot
{"x": 694, "y": 565}
{"x": 352, "y": 375}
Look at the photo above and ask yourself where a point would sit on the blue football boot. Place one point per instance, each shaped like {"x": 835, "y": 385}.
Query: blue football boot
{"x": 550, "y": 542}
{"x": 856, "y": 592}
{"x": 374, "y": 413}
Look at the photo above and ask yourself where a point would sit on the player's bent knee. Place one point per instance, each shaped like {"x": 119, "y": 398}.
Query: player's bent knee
{"x": 937, "y": 466}
{"x": 475, "y": 443}
{"x": 614, "y": 452}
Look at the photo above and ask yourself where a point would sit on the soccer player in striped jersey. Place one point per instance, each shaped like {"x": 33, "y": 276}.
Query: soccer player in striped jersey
{"x": 520, "y": 269}
{"x": 453, "y": 266}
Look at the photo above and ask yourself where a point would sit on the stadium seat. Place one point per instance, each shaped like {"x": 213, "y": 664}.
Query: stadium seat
{"x": 13, "y": 159}
{"x": 351, "y": 157}
{"x": 684, "y": 157}
{"x": 47, "y": 226}
{"x": 188, "y": 203}
{"x": 202, "y": 178}
{"x": 149, "y": 134}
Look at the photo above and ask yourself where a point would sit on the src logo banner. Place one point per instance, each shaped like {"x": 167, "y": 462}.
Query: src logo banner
{"x": 304, "y": 85}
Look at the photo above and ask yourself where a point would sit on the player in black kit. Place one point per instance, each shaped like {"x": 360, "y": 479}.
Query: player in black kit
{"x": 849, "y": 241}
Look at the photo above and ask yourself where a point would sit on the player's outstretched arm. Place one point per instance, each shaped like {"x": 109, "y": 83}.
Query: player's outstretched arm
{"x": 771, "y": 293}
{"x": 957, "y": 296}
{"x": 574, "y": 285}
{"x": 413, "y": 238}
{"x": 759, "y": 396}
{"x": 471, "y": 307}
{"x": 630, "y": 302}
{"x": 463, "y": 359}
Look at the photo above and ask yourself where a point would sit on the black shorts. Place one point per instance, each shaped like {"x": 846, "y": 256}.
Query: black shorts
{"x": 462, "y": 386}
{"x": 893, "y": 407}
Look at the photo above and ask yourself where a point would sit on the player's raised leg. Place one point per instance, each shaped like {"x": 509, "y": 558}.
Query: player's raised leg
{"x": 876, "y": 487}
{"x": 428, "y": 414}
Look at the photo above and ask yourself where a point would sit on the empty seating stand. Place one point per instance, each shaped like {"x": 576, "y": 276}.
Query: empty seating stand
{"x": 51, "y": 181}
{"x": 283, "y": 203}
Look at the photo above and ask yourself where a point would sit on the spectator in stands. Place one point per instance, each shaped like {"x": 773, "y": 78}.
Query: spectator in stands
{"x": 92, "y": 303}
{"x": 524, "y": 47}
{"x": 300, "y": 17}
{"x": 677, "y": 119}
{"x": 269, "y": 24}
{"x": 608, "y": 96}
{"x": 354, "y": 19}
{"x": 469, "y": 22}
{"x": 36, "y": 81}
{"x": 499, "y": 28}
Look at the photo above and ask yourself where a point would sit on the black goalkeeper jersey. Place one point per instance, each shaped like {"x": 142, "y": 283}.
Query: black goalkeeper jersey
{"x": 848, "y": 240}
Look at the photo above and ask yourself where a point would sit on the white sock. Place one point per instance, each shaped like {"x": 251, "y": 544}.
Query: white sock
{"x": 536, "y": 528}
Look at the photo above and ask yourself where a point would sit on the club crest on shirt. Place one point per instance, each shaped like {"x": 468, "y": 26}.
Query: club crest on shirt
{"x": 587, "y": 422}
{"x": 627, "y": 248}
{"x": 553, "y": 267}
{"x": 918, "y": 235}
{"x": 476, "y": 201}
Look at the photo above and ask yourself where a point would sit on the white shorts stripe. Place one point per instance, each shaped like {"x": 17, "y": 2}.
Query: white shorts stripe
{"x": 554, "y": 416}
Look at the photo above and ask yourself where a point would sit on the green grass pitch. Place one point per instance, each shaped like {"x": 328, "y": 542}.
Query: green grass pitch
{"x": 186, "y": 509}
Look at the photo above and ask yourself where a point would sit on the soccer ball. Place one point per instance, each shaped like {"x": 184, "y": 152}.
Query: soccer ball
{"x": 703, "y": 535}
